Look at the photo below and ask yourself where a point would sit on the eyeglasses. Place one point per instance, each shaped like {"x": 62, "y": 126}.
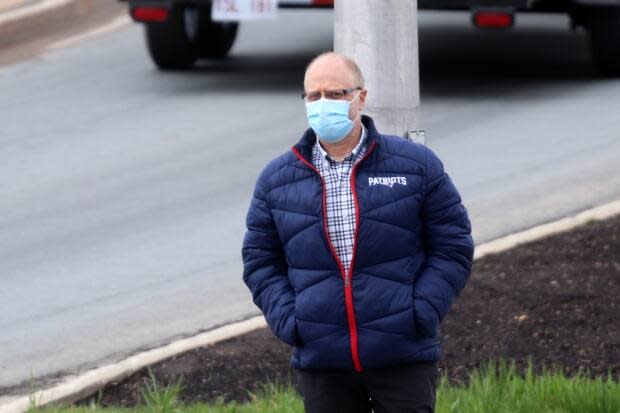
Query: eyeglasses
{"x": 337, "y": 94}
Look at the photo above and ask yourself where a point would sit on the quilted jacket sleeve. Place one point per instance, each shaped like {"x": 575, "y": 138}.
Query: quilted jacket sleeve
{"x": 265, "y": 269}
{"x": 449, "y": 248}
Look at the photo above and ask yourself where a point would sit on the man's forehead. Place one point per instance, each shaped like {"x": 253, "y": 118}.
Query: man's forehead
{"x": 328, "y": 73}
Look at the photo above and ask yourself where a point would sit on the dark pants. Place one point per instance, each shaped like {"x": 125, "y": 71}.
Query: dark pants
{"x": 406, "y": 388}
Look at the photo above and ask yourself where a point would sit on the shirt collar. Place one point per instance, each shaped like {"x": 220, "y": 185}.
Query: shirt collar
{"x": 352, "y": 155}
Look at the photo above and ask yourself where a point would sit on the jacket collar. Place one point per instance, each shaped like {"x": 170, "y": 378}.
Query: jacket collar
{"x": 305, "y": 144}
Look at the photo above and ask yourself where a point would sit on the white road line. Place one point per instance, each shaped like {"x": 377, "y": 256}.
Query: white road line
{"x": 36, "y": 8}
{"x": 116, "y": 24}
{"x": 76, "y": 387}
{"x": 10, "y": 4}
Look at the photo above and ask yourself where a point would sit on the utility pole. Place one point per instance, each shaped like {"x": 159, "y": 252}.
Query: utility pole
{"x": 382, "y": 37}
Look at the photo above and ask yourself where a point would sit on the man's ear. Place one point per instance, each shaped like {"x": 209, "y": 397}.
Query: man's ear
{"x": 362, "y": 99}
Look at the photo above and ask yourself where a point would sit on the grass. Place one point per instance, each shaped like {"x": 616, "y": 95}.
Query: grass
{"x": 498, "y": 388}
{"x": 494, "y": 388}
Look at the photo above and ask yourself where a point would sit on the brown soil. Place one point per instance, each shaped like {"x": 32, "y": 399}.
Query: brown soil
{"x": 555, "y": 300}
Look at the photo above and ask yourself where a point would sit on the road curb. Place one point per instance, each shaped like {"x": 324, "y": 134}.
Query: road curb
{"x": 20, "y": 22}
{"x": 554, "y": 227}
{"x": 77, "y": 387}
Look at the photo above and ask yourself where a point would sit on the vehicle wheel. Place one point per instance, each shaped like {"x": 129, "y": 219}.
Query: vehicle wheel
{"x": 215, "y": 39}
{"x": 603, "y": 24}
{"x": 171, "y": 43}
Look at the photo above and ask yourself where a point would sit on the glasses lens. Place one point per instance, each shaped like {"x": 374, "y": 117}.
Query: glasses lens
{"x": 312, "y": 96}
{"x": 338, "y": 94}
{"x": 334, "y": 94}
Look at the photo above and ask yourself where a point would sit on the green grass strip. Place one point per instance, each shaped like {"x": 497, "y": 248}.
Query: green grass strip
{"x": 494, "y": 388}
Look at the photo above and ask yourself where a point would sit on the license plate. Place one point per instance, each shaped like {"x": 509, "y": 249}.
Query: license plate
{"x": 238, "y": 10}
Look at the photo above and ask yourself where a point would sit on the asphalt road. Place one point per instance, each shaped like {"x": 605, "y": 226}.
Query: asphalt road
{"x": 124, "y": 190}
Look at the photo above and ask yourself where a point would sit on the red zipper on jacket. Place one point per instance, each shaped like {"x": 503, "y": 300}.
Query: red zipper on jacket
{"x": 346, "y": 277}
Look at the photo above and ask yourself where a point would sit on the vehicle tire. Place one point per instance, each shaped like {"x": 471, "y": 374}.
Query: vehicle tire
{"x": 603, "y": 24}
{"x": 215, "y": 39}
{"x": 171, "y": 44}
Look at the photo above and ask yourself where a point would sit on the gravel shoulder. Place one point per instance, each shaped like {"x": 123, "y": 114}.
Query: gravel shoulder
{"x": 554, "y": 300}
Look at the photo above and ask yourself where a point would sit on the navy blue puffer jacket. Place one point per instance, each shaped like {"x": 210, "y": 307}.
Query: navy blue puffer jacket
{"x": 412, "y": 256}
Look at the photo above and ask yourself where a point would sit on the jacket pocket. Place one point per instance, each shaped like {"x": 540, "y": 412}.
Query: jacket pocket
{"x": 426, "y": 318}
{"x": 297, "y": 324}
{"x": 300, "y": 341}
{"x": 414, "y": 325}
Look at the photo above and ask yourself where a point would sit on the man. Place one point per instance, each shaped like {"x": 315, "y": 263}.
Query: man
{"x": 357, "y": 244}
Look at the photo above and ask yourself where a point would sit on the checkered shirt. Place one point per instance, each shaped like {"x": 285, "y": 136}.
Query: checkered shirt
{"x": 340, "y": 204}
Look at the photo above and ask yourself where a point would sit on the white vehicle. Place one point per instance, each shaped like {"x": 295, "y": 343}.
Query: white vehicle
{"x": 178, "y": 32}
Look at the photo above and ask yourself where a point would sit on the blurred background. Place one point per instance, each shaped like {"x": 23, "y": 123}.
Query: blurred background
{"x": 127, "y": 160}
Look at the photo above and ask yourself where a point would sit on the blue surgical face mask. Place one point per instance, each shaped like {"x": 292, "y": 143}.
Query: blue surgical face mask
{"x": 330, "y": 118}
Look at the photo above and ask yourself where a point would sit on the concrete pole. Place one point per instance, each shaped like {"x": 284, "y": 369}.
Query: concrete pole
{"x": 382, "y": 37}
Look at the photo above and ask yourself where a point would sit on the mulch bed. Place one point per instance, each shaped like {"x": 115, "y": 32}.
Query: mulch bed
{"x": 556, "y": 300}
